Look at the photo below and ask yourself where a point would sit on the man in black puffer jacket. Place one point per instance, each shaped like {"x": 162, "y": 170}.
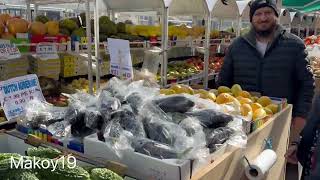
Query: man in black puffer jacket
{"x": 271, "y": 61}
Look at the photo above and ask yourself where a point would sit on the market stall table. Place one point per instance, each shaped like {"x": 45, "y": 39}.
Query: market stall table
{"x": 231, "y": 165}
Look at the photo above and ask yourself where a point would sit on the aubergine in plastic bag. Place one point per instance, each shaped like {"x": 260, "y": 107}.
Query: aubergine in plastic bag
{"x": 107, "y": 104}
{"x": 211, "y": 118}
{"x": 128, "y": 121}
{"x": 40, "y": 113}
{"x": 136, "y": 101}
{"x": 76, "y": 118}
{"x": 117, "y": 138}
{"x": 94, "y": 119}
{"x": 217, "y": 136}
{"x": 191, "y": 125}
{"x": 59, "y": 129}
{"x": 176, "y": 103}
{"x": 117, "y": 88}
{"x": 160, "y": 132}
{"x": 156, "y": 149}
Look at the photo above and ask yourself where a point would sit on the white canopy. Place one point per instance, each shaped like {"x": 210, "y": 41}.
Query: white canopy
{"x": 285, "y": 18}
{"x": 296, "y": 18}
{"x": 244, "y": 8}
{"x": 191, "y": 7}
{"x": 223, "y": 11}
{"x": 137, "y": 5}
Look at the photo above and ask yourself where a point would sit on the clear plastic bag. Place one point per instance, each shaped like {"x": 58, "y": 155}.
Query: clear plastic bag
{"x": 128, "y": 121}
{"x": 117, "y": 88}
{"x": 107, "y": 104}
{"x": 211, "y": 118}
{"x": 174, "y": 103}
{"x": 94, "y": 120}
{"x": 117, "y": 138}
{"x": 59, "y": 129}
{"x": 40, "y": 113}
{"x": 138, "y": 93}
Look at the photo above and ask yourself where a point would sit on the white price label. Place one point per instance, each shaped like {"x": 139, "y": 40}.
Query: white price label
{"x": 47, "y": 51}
{"x": 15, "y": 93}
{"x": 9, "y": 51}
{"x": 120, "y": 58}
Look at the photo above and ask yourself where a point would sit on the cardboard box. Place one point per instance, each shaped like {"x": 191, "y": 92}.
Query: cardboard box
{"x": 72, "y": 66}
{"x": 47, "y": 68}
{"x": 13, "y": 68}
{"x": 139, "y": 165}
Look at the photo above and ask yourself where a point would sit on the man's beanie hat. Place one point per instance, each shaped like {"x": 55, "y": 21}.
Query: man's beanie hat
{"x": 257, "y": 4}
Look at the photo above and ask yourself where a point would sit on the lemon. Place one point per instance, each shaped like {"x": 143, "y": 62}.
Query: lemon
{"x": 255, "y": 106}
{"x": 273, "y": 108}
{"x": 259, "y": 114}
{"x": 224, "y": 89}
{"x": 245, "y": 94}
{"x": 236, "y": 90}
{"x": 264, "y": 101}
{"x": 224, "y": 98}
{"x": 245, "y": 109}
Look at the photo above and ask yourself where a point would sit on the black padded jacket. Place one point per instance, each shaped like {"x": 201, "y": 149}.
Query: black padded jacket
{"x": 284, "y": 70}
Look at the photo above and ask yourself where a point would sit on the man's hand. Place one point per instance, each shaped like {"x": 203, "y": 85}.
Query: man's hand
{"x": 297, "y": 126}
{"x": 291, "y": 154}
{"x": 298, "y": 123}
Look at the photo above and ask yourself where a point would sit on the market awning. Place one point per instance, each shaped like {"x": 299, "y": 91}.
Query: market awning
{"x": 303, "y": 5}
{"x": 137, "y": 5}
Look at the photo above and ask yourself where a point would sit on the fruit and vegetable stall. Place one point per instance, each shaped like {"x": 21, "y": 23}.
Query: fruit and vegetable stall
{"x": 133, "y": 128}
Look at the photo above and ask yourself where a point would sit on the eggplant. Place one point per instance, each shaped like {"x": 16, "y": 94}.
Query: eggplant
{"x": 136, "y": 101}
{"x": 128, "y": 121}
{"x": 179, "y": 104}
{"x": 210, "y": 118}
{"x": 155, "y": 149}
{"x": 217, "y": 136}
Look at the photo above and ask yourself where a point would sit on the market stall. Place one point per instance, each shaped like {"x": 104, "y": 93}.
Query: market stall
{"x": 133, "y": 127}
{"x": 285, "y": 19}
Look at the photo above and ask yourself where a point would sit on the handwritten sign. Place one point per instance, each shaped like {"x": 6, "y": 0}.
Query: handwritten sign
{"x": 16, "y": 92}
{"x": 47, "y": 51}
{"x": 9, "y": 51}
{"x": 120, "y": 58}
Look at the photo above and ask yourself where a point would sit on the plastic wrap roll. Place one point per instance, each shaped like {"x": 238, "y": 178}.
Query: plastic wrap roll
{"x": 261, "y": 165}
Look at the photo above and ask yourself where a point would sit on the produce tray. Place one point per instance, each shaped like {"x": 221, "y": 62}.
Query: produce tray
{"x": 16, "y": 142}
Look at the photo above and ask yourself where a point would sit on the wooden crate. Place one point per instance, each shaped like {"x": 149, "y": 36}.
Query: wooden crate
{"x": 231, "y": 165}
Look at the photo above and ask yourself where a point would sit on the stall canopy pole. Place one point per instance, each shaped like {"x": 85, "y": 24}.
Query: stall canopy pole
{"x": 97, "y": 42}
{"x": 239, "y": 25}
{"x": 28, "y": 10}
{"x": 88, "y": 28}
{"x": 164, "y": 46}
{"x": 207, "y": 50}
{"x": 36, "y": 11}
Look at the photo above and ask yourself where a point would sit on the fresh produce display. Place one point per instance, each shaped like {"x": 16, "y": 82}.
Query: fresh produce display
{"x": 61, "y": 171}
{"x": 129, "y": 115}
{"x": 315, "y": 65}
{"x": 81, "y": 84}
{"x": 42, "y": 152}
{"x": 252, "y": 107}
{"x": 312, "y": 40}
{"x": 182, "y": 70}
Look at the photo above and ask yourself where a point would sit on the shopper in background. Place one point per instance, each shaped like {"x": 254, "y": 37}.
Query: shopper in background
{"x": 271, "y": 61}
{"x": 307, "y": 151}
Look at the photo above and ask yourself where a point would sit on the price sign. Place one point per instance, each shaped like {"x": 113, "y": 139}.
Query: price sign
{"x": 120, "y": 57}
{"x": 16, "y": 92}
{"x": 9, "y": 51}
{"x": 47, "y": 51}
